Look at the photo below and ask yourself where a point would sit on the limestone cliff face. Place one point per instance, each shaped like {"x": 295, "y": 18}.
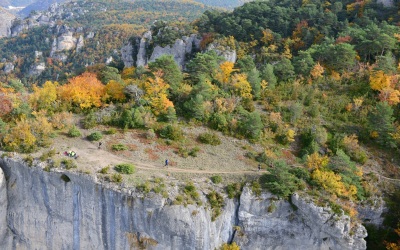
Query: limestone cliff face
{"x": 46, "y": 211}
{"x": 269, "y": 223}
{"x": 4, "y": 236}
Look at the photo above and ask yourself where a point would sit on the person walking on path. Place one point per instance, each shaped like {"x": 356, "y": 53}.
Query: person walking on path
{"x": 166, "y": 163}
{"x": 100, "y": 143}
{"x": 259, "y": 167}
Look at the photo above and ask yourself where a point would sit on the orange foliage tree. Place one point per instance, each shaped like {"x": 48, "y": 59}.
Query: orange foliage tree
{"x": 84, "y": 91}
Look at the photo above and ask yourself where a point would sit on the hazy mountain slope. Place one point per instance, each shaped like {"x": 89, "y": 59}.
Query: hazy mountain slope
{"x": 5, "y": 21}
{"x": 39, "y": 5}
{"x": 223, "y": 3}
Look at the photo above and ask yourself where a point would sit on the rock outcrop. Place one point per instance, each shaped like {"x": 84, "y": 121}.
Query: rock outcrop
{"x": 64, "y": 210}
{"x": 141, "y": 50}
{"x": 387, "y": 3}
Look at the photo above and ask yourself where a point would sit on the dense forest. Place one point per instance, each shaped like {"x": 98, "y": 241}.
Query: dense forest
{"x": 316, "y": 84}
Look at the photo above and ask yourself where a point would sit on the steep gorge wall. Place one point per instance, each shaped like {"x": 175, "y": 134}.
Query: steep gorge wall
{"x": 45, "y": 212}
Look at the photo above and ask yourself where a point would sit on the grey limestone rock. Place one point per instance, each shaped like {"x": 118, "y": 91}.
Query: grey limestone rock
{"x": 8, "y": 68}
{"x": 4, "y": 233}
{"x": 227, "y": 53}
{"x": 270, "y": 223}
{"x": 37, "y": 68}
{"x": 45, "y": 212}
{"x": 66, "y": 210}
{"x": 126, "y": 55}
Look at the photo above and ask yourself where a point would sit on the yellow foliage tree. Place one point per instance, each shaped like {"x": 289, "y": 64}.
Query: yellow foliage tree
{"x": 20, "y": 137}
{"x": 41, "y": 128}
{"x": 61, "y": 120}
{"x": 84, "y": 91}
{"x": 44, "y": 97}
{"x": 114, "y": 91}
{"x": 378, "y": 80}
{"x": 240, "y": 86}
{"x": 330, "y": 181}
{"x": 128, "y": 73}
{"x": 225, "y": 71}
{"x": 156, "y": 94}
{"x": 316, "y": 161}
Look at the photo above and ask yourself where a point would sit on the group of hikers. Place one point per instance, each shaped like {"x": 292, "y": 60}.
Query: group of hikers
{"x": 71, "y": 154}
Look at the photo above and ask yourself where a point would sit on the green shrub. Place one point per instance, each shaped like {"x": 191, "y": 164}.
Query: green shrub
{"x": 271, "y": 207}
{"x": 47, "y": 154}
{"x": 90, "y": 121}
{"x": 171, "y": 132}
{"x": 256, "y": 188}
{"x": 95, "y": 136}
{"x": 119, "y": 147}
{"x": 209, "y": 138}
{"x": 193, "y": 152}
{"x": 68, "y": 163}
{"x": 125, "y": 168}
{"x": 145, "y": 187}
{"x": 150, "y": 134}
{"x": 29, "y": 160}
{"x": 104, "y": 170}
{"x": 74, "y": 132}
{"x": 116, "y": 178}
{"x": 183, "y": 152}
{"x": 111, "y": 131}
{"x": 216, "y": 179}
{"x": 234, "y": 190}
{"x": 217, "y": 202}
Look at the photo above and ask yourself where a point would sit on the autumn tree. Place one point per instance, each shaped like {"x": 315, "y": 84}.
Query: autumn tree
{"x": 240, "y": 86}
{"x": 84, "y": 91}
{"x": 224, "y": 73}
{"x": 20, "y": 137}
{"x": 378, "y": 80}
{"x": 114, "y": 91}
{"x": 44, "y": 97}
{"x": 155, "y": 93}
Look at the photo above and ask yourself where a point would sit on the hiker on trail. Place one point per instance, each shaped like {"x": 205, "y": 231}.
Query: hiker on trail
{"x": 166, "y": 163}
{"x": 259, "y": 167}
{"x": 100, "y": 143}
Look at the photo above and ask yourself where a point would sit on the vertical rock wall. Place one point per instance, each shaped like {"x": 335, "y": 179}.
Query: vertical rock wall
{"x": 73, "y": 211}
{"x": 46, "y": 212}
